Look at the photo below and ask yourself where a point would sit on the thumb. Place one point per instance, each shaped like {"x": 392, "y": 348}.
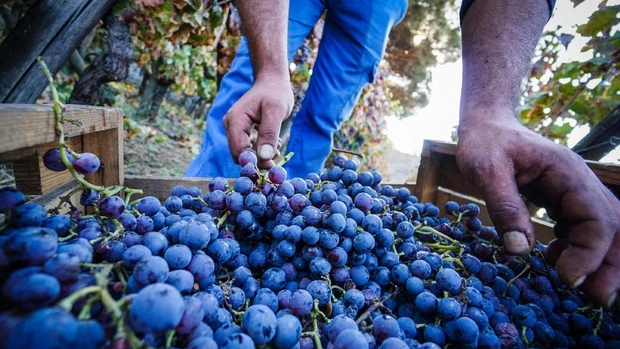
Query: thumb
{"x": 508, "y": 211}
{"x": 267, "y": 139}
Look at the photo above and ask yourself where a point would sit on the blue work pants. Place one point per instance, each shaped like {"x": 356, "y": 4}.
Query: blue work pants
{"x": 352, "y": 45}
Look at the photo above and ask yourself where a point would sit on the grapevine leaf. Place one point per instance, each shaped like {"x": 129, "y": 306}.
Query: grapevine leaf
{"x": 600, "y": 20}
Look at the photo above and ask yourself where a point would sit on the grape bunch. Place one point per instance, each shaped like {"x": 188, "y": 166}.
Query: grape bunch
{"x": 334, "y": 260}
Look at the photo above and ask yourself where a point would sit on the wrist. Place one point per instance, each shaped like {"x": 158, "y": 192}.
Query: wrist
{"x": 476, "y": 117}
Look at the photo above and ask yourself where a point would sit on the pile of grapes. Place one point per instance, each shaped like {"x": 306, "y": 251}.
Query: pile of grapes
{"x": 335, "y": 260}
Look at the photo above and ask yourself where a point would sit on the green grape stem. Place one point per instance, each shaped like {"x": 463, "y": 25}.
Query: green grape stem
{"x": 62, "y": 146}
{"x": 525, "y": 269}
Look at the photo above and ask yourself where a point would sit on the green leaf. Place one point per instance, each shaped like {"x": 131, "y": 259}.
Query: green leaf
{"x": 600, "y": 20}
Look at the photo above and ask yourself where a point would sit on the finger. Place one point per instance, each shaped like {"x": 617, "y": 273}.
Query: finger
{"x": 584, "y": 254}
{"x": 554, "y": 250}
{"x": 506, "y": 208}
{"x": 238, "y": 130}
{"x": 602, "y": 286}
{"x": 273, "y": 113}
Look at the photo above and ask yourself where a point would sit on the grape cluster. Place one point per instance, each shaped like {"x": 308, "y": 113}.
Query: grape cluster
{"x": 334, "y": 260}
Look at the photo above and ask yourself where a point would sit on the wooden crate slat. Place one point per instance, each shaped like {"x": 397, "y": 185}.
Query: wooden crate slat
{"x": 160, "y": 187}
{"x": 28, "y": 125}
{"x": 31, "y": 175}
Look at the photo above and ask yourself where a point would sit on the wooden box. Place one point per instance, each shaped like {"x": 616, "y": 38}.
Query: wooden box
{"x": 28, "y": 131}
{"x": 440, "y": 180}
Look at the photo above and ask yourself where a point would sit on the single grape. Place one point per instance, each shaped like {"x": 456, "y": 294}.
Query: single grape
{"x": 157, "y": 308}
{"x": 53, "y": 161}
{"x": 86, "y": 163}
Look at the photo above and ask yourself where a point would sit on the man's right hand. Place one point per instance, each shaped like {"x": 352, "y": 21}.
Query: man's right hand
{"x": 266, "y": 105}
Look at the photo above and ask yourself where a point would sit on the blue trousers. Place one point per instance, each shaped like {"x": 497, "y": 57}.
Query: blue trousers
{"x": 354, "y": 38}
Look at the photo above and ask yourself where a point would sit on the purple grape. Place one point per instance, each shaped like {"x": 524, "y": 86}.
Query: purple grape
{"x": 192, "y": 316}
{"x": 277, "y": 174}
{"x": 86, "y": 163}
{"x": 247, "y": 157}
{"x": 112, "y": 206}
{"x": 300, "y": 302}
{"x": 53, "y": 162}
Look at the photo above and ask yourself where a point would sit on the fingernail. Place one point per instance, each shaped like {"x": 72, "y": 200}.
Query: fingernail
{"x": 265, "y": 152}
{"x": 579, "y": 281}
{"x": 516, "y": 242}
{"x": 612, "y": 300}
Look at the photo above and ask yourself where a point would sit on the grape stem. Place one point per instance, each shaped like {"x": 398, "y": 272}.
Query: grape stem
{"x": 314, "y": 314}
{"x": 525, "y": 269}
{"x": 375, "y": 305}
{"x": 350, "y": 152}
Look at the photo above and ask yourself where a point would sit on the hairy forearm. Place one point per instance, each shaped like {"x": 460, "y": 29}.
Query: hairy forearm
{"x": 498, "y": 39}
{"x": 265, "y": 25}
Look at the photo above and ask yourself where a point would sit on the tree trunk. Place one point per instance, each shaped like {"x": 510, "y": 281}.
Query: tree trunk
{"x": 152, "y": 93}
{"x": 51, "y": 29}
{"x": 112, "y": 66}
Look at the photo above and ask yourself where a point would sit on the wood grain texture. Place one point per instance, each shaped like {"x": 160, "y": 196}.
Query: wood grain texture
{"x": 29, "y": 131}
{"x": 27, "y": 125}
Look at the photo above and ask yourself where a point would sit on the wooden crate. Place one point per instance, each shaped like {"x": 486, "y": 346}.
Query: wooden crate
{"x": 440, "y": 180}
{"x": 28, "y": 131}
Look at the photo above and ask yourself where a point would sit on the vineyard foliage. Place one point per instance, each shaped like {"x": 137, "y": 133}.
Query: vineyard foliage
{"x": 183, "y": 47}
{"x": 561, "y": 95}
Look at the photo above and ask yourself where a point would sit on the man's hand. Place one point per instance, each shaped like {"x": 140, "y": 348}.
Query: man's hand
{"x": 266, "y": 105}
{"x": 503, "y": 158}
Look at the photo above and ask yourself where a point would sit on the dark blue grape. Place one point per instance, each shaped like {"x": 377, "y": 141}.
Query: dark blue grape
{"x": 150, "y": 270}
{"x": 157, "y": 308}
{"x": 59, "y": 223}
{"x": 320, "y": 291}
{"x": 31, "y": 245}
{"x": 462, "y": 330}
{"x": 29, "y": 214}
{"x": 426, "y": 302}
{"x": 45, "y": 328}
{"x": 52, "y": 160}
{"x": 260, "y": 323}
{"x": 31, "y": 291}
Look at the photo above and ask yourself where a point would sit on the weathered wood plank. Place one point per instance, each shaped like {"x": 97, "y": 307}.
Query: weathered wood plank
{"x": 27, "y": 125}
{"x": 427, "y": 180}
{"x": 160, "y": 187}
